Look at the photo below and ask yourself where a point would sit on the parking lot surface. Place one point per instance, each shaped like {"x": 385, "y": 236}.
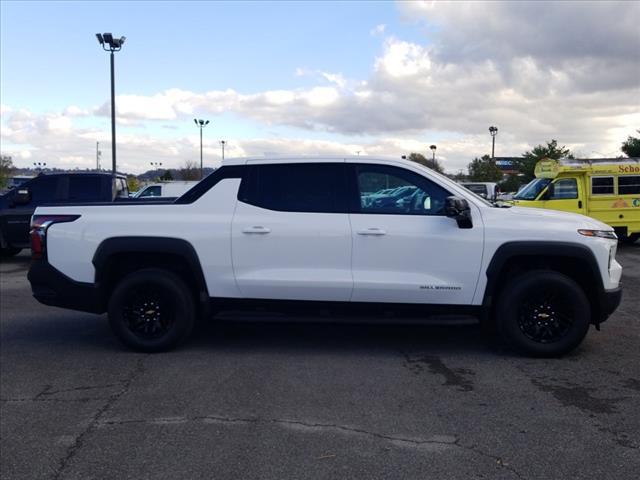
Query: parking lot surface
{"x": 297, "y": 401}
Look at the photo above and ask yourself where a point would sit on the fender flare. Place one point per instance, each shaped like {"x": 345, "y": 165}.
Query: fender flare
{"x": 158, "y": 245}
{"x": 510, "y": 250}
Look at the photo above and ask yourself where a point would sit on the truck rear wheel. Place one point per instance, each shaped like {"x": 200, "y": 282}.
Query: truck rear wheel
{"x": 151, "y": 310}
{"x": 543, "y": 313}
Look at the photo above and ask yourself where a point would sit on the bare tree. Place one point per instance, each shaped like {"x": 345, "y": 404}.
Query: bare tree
{"x": 189, "y": 171}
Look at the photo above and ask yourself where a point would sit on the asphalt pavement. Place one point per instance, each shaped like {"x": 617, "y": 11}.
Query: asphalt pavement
{"x": 300, "y": 401}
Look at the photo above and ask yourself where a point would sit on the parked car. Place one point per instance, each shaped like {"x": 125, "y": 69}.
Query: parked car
{"x": 18, "y": 180}
{"x": 487, "y": 190}
{"x": 17, "y": 205}
{"x": 607, "y": 189}
{"x": 286, "y": 234}
{"x": 164, "y": 189}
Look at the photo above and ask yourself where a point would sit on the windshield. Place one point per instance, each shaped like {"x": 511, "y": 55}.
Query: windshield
{"x": 532, "y": 189}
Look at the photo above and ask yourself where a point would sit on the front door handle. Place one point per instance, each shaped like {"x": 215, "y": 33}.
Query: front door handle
{"x": 579, "y": 203}
{"x": 256, "y": 229}
{"x": 372, "y": 231}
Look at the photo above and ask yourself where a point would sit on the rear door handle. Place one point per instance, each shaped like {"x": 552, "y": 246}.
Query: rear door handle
{"x": 256, "y": 229}
{"x": 372, "y": 231}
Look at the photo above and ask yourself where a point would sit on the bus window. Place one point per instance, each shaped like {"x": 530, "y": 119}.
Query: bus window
{"x": 629, "y": 185}
{"x": 602, "y": 186}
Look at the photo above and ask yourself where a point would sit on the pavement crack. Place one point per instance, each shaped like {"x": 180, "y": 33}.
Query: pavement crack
{"x": 76, "y": 389}
{"x": 95, "y": 419}
{"x": 52, "y": 400}
{"x": 445, "y": 440}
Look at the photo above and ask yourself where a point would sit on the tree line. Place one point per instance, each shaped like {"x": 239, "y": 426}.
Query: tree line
{"x": 484, "y": 169}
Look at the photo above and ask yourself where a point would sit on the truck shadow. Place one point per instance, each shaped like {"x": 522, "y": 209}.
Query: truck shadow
{"x": 330, "y": 338}
{"x": 77, "y": 332}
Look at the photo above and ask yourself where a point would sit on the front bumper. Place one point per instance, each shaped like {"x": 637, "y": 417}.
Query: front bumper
{"x": 52, "y": 287}
{"x": 609, "y": 302}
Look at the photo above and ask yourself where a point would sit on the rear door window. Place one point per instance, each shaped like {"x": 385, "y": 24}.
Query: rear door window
{"x": 296, "y": 187}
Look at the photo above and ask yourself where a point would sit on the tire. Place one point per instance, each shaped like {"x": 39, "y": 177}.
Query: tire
{"x": 631, "y": 239}
{"x": 9, "y": 251}
{"x": 152, "y": 310}
{"x": 543, "y": 314}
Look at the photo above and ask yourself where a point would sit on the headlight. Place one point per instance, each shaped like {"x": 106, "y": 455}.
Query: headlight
{"x": 612, "y": 254}
{"x": 610, "y": 234}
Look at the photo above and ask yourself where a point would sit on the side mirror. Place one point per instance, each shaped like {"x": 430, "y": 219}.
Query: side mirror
{"x": 458, "y": 209}
{"x": 22, "y": 196}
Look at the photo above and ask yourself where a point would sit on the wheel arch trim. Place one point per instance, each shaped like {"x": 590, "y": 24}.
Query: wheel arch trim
{"x": 510, "y": 250}
{"x": 145, "y": 245}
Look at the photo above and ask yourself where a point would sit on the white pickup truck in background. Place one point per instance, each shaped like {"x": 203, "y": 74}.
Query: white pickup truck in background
{"x": 165, "y": 189}
{"x": 304, "y": 233}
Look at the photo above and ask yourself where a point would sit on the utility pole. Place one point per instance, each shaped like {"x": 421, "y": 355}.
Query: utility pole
{"x": 98, "y": 153}
{"x": 223, "y": 143}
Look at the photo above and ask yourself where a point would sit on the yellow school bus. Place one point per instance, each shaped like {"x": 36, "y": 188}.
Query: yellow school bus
{"x": 606, "y": 189}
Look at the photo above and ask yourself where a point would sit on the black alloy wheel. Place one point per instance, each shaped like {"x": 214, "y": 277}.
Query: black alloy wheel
{"x": 543, "y": 313}
{"x": 546, "y": 318}
{"x": 152, "y": 310}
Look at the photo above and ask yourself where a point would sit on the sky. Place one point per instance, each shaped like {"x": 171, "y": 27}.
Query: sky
{"x": 378, "y": 78}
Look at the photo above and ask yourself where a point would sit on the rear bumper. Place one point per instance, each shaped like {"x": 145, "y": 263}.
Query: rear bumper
{"x": 52, "y": 287}
{"x": 609, "y": 302}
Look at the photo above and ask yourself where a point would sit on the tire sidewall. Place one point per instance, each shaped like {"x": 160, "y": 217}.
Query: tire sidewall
{"x": 519, "y": 290}
{"x": 173, "y": 288}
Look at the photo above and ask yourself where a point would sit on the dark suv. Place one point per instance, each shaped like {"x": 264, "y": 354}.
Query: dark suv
{"x": 17, "y": 205}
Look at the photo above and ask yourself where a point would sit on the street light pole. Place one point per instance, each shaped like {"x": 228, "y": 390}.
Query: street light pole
{"x": 114, "y": 45}
{"x": 98, "y": 155}
{"x": 201, "y": 124}
{"x": 223, "y": 143}
{"x": 433, "y": 151}
{"x": 113, "y": 116}
{"x": 493, "y": 131}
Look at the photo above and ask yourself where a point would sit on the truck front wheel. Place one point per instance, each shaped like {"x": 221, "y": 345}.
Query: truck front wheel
{"x": 151, "y": 310}
{"x": 543, "y": 313}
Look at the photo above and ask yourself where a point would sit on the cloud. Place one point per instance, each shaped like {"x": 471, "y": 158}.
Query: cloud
{"x": 569, "y": 71}
{"x": 378, "y": 30}
{"x": 73, "y": 111}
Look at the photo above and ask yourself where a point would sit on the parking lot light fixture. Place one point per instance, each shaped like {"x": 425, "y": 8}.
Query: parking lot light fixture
{"x": 493, "y": 131}
{"x": 222, "y": 144}
{"x": 111, "y": 45}
{"x": 201, "y": 124}
{"x": 433, "y": 151}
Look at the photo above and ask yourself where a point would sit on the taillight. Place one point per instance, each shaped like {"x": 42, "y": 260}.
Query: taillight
{"x": 38, "y": 233}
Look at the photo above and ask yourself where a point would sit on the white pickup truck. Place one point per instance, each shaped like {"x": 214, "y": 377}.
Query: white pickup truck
{"x": 379, "y": 238}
